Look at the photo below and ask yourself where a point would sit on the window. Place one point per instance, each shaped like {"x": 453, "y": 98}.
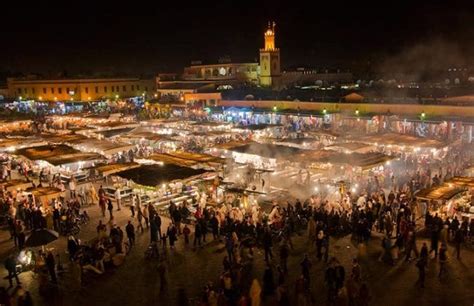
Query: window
{"x": 124, "y": 88}
{"x": 105, "y": 88}
{"x": 133, "y": 87}
{"x": 138, "y": 87}
{"x": 26, "y": 90}
{"x": 97, "y": 89}
{"x": 67, "y": 90}
{"x": 117, "y": 88}
{"x": 52, "y": 90}
{"x": 87, "y": 90}
{"x": 33, "y": 90}
{"x": 60, "y": 90}
{"x": 146, "y": 88}
{"x": 19, "y": 90}
{"x": 44, "y": 90}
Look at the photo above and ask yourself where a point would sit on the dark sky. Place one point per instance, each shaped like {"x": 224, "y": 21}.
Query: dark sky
{"x": 136, "y": 37}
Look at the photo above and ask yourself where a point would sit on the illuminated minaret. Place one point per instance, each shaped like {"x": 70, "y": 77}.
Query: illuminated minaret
{"x": 270, "y": 59}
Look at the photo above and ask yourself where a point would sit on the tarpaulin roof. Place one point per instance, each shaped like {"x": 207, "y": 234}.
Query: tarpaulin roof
{"x": 57, "y": 154}
{"x": 443, "y": 192}
{"x": 400, "y": 140}
{"x": 155, "y": 175}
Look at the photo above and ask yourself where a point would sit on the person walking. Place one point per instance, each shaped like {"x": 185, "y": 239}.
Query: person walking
{"x": 421, "y": 265}
{"x": 118, "y": 198}
{"x": 267, "y": 245}
{"x": 51, "y": 264}
{"x": 305, "y": 267}
{"x": 102, "y": 205}
{"x": 10, "y": 265}
{"x": 284, "y": 254}
{"x": 139, "y": 219}
{"x": 145, "y": 215}
{"x": 110, "y": 208}
{"x": 72, "y": 187}
{"x": 20, "y": 234}
{"x": 172, "y": 234}
{"x": 197, "y": 234}
{"x": 443, "y": 258}
{"x": 186, "y": 233}
{"x": 458, "y": 240}
{"x": 132, "y": 205}
{"x": 130, "y": 230}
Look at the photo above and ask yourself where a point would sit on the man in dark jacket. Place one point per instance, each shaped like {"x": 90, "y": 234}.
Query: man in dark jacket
{"x": 197, "y": 234}
{"x": 10, "y": 265}
{"x": 51, "y": 264}
{"x": 267, "y": 245}
{"x": 130, "y": 229}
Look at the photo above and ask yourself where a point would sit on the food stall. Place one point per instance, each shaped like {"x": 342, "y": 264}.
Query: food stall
{"x": 45, "y": 195}
{"x": 103, "y": 147}
{"x": 442, "y": 200}
{"x": 463, "y": 206}
{"x": 392, "y": 144}
{"x": 160, "y": 183}
{"x": 13, "y": 185}
{"x": 61, "y": 159}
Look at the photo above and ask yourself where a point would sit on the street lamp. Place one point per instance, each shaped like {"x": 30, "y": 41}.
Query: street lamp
{"x": 325, "y": 111}
{"x": 423, "y": 115}
{"x": 357, "y": 112}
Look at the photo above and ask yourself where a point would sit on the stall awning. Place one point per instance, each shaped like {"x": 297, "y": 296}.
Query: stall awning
{"x": 45, "y": 193}
{"x": 443, "y": 192}
{"x": 186, "y": 159}
{"x": 351, "y": 147}
{"x": 401, "y": 140}
{"x": 109, "y": 169}
{"x": 15, "y": 184}
{"x": 156, "y": 175}
{"x": 57, "y": 154}
{"x": 363, "y": 160}
{"x": 267, "y": 150}
{"x": 103, "y": 147}
{"x": 461, "y": 181}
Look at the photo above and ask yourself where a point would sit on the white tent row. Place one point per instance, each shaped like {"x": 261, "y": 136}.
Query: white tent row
{"x": 103, "y": 147}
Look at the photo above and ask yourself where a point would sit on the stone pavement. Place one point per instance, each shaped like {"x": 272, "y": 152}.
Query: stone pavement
{"x": 137, "y": 281}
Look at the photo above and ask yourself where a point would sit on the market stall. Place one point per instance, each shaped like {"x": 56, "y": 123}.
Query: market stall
{"x": 188, "y": 159}
{"x": 442, "y": 200}
{"x": 103, "y": 147}
{"x": 352, "y": 147}
{"x": 45, "y": 195}
{"x": 61, "y": 159}
{"x": 13, "y": 185}
{"x": 160, "y": 183}
{"x": 392, "y": 143}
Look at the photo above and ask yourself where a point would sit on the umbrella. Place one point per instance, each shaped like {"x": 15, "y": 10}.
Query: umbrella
{"x": 41, "y": 237}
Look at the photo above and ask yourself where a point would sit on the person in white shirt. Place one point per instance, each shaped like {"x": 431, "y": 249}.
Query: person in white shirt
{"x": 72, "y": 187}
{"x": 117, "y": 198}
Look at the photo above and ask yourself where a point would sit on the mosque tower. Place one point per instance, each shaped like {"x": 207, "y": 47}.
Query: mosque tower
{"x": 270, "y": 60}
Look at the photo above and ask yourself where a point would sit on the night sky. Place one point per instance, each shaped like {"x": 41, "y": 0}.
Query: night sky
{"x": 136, "y": 37}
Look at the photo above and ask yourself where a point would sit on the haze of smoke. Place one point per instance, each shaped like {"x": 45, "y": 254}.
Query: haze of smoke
{"x": 426, "y": 60}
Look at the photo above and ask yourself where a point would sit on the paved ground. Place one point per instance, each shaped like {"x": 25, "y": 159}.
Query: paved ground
{"x": 137, "y": 282}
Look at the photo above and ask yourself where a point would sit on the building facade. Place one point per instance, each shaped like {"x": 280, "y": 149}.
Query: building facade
{"x": 225, "y": 72}
{"x": 79, "y": 89}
